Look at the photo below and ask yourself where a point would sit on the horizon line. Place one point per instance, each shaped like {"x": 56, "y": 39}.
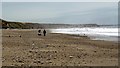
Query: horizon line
{"x": 54, "y": 23}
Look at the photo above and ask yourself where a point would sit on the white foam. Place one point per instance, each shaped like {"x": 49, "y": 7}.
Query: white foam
{"x": 88, "y": 31}
{"x": 99, "y": 33}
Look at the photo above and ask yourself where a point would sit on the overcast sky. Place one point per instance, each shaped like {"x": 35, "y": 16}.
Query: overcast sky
{"x": 60, "y": 0}
{"x": 61, "y": 12}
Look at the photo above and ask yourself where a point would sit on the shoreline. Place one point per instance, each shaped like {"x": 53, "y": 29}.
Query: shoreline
{"x": 97, "y": 37}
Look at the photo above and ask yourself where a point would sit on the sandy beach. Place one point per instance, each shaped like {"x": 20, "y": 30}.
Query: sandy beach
{"x": 55, "y": 50}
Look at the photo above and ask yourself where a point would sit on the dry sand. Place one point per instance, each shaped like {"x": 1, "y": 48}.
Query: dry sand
{"x": 55, "y": 50}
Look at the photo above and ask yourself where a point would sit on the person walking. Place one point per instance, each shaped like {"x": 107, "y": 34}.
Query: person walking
{"x": 44, "y": 32}
{"x": 39, "y": 32}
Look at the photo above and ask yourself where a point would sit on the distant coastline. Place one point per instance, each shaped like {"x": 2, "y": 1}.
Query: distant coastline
{"x": 20, "y": 25}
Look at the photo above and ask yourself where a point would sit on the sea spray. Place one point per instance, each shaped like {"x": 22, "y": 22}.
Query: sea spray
{"x": 99, "y": 33}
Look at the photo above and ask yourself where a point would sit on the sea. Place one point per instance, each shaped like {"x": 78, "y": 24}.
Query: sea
{"x": 106, "y": 32}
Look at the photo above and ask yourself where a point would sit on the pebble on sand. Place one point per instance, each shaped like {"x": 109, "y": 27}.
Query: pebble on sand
{"x": 70, "y": 56}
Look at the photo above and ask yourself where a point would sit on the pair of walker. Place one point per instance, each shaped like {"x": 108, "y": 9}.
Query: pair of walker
{"x": 39, "y": 32}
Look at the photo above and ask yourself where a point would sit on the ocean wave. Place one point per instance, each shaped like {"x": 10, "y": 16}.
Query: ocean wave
{"x": 99, "y": 33}
{"x": 88, "y": 31}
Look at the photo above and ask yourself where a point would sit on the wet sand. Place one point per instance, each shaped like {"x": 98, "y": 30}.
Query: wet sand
{"x": 55, "y": 50}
